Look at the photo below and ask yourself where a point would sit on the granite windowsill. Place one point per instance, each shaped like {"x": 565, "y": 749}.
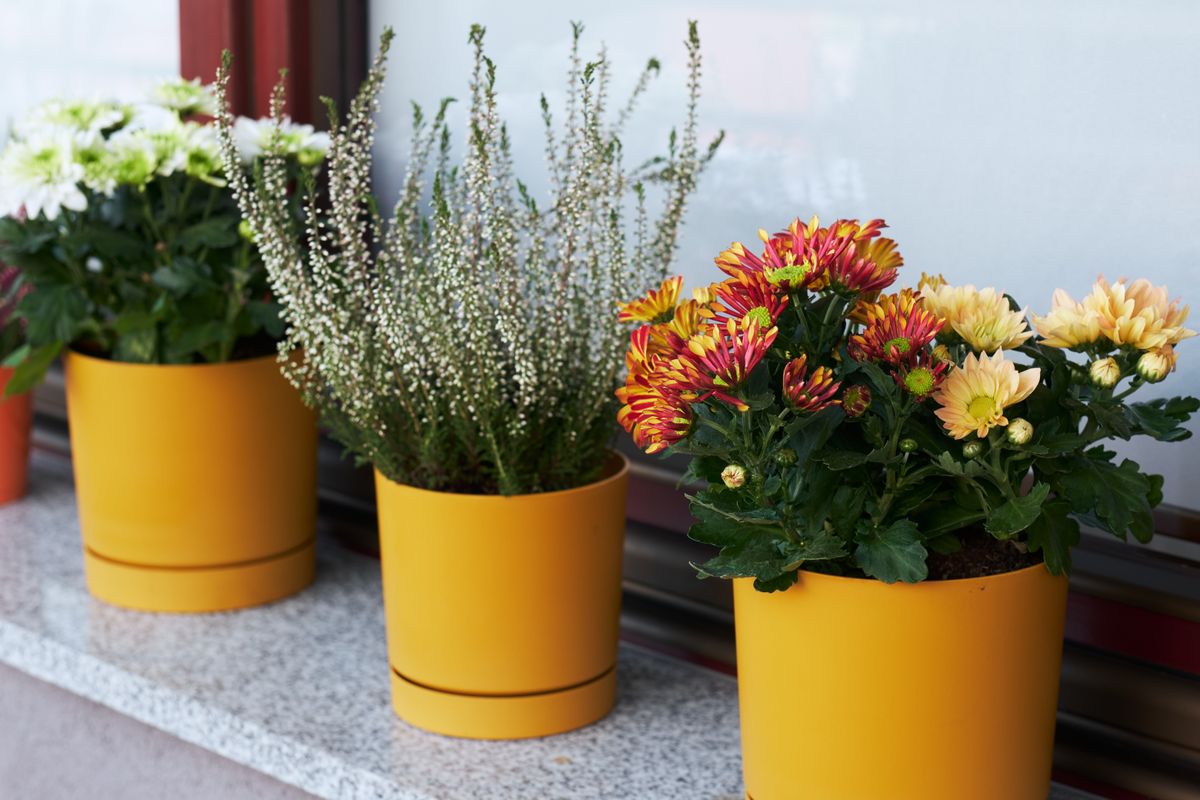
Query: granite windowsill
{"x": 298, "y": 690}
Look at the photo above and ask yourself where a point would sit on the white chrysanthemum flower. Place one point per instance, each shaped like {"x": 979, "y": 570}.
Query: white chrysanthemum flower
{"x": 41, "y": 175}
{"x": 257, "y": 136}
{"x": 202, "y": 154}
{"x": 74, "y": 116}
{"x": 152, "y": 118}
{"x": 185, "y": 97}
{"x": 128, "y": 158}
{"x": 178, "y": 146}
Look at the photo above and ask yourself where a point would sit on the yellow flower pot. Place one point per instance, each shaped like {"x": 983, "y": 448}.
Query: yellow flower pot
{"x": 944, "y": 690}
{"x": 502, "y": 612}
{"x": 196, "y": 485}
{"x": 16, "y": 414}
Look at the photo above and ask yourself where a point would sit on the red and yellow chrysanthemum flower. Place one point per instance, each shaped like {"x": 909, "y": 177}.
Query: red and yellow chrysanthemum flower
{"x": 847, "y": 255}
{"x": 748, "y": 296}
{"x": 808, "y": 393}
{"x": 898, "y": 327}
{"x": 716, "y": 362}
{"x": 655, "y": 417}
{"x": 656, "y": 307}
{"x": 865, "y": 267}
{"x": 922, "y": 376}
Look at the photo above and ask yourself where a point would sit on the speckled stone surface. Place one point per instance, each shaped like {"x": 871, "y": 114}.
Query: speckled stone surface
{"x": 299, "y": 689}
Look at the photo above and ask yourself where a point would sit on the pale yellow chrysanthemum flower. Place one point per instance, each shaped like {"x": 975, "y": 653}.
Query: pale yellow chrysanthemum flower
{"x": 1137, "y": 314}
{"x": 973, "y": 397}
{"x": 1069, "y": 324}
{"x": 981, "y": 317}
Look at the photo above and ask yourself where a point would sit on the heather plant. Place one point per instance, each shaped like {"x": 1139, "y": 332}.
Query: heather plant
{"x": 922, "y": 433}
{"x": 119, "y": 215}
{"x": 465, "y": 342}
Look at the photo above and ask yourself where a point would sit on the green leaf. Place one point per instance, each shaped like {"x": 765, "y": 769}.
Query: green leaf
{"x": 757, "y": 556}
{"x": 821, "y": 547}
{"x": 718, "y": 529}
{"x": 137, "y": 345}
{"x": 842, "y": 459}
{"x": 55, "y": 313}
{"x": 847, "y": 509}
{"x": 1018, "y": 514}
{"x": 108, "y": 244}
{"x": 213, "y": 234}
{"x": 16, "y": 356}
{"x": 174, "y": 279}
{"x": 945, "y": 544}
{"x": 703, "y": 469}
{"x": 810, "y": 432}
{"x": 894, "y": 554}
{"x": 1162, "y": 418}
{"x": 1115, "y": 498}
{"x": 266, "y": 314}
{"x": 778, "y": 584}
{"x": 135, "y": 321}
{"x": 949, "y": 517}
{"x": 1054, "y": 533}
{"x": 32, "y": 368}
{"x": 764, "y": 556}
{"x": 197, "y": 338}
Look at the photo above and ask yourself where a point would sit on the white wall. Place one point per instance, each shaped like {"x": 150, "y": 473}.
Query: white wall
{"x": 1023, "y": 144}
{"x": 83, "y": 48}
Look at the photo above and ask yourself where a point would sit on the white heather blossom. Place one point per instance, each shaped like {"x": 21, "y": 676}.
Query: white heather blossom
{"x": 466, "y": 341}
{"x": 185, "y": 97}
{"x": 41, "y": 175}
{"x": 256, "y": 136}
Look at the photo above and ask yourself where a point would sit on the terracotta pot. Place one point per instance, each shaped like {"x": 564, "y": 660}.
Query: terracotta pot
{"x": 196, "y": 484}
{"x": 16, "y": 414}
{"x": 941, "y": 690}
{"x": 502, "y": 612}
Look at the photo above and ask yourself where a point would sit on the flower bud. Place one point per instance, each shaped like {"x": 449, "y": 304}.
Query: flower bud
{"x": 973, "y": 449}
{"x": 941, "y": 354}
{"x": 734, "y": 476}
{"x": 786, "y": 457}
{"x": 1154, "y": 365}
{"x": 855, "y": 400}
{"x": 1019, "y": 431}
{"x": 908, "y": 445}
{"x": 245, "y": 231}
{"x": 1104, "y": 372}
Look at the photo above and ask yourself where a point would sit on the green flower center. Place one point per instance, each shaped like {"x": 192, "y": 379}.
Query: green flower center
{"x": 793, "y": 274}
{"x": 760, "y": 315}
{"x": 901, "y": 344}
{"x": 919, "y": 381}
{"x": 981, "y": 407}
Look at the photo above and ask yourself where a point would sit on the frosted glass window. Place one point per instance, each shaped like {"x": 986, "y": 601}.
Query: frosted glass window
{"x": 77, "y": 48}
{"x": 1025, "y": 145}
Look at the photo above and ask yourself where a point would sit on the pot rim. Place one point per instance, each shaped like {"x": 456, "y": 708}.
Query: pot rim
{"x": 618, "y": 461}
{"x": 73, "y": 353}
{"x": 994, "y": 577}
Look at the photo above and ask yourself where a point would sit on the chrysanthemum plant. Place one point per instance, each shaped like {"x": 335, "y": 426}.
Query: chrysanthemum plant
{"x": 12, "y": 334}
{"x": 119, "y": 215}
{"x": 464, "y": 342}
{"x": 904, "y": 436}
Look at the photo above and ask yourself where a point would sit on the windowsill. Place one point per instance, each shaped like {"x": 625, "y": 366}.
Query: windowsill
{"x": 298, "y": 690}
